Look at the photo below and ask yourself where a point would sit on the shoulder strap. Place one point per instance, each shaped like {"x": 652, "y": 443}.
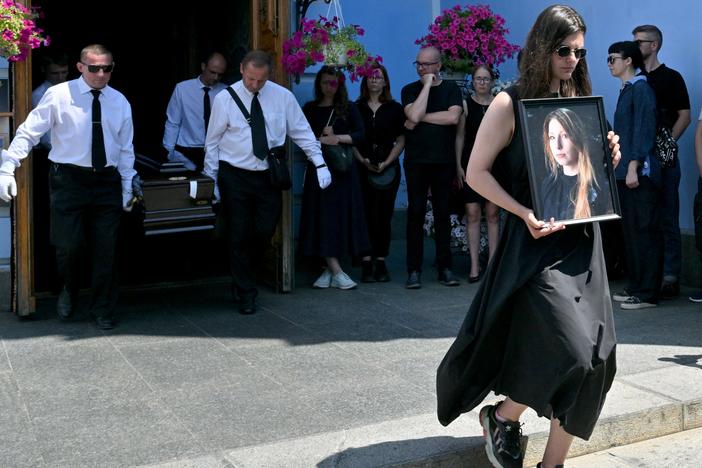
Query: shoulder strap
{"x": 243, "y": 110}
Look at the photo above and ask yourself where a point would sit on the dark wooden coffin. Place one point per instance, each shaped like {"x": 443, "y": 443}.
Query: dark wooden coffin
{"x": 176, "y": 201}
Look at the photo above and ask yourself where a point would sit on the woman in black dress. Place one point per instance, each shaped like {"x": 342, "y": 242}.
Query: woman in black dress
{"x": 540, "y": 329}
{"x": 332, "y": 222}
{"x": 474, "y": 109}
{"x": 383, "y": 118}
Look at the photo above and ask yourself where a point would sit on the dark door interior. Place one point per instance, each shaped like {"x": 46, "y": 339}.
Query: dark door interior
{"x": 152, "y": 52}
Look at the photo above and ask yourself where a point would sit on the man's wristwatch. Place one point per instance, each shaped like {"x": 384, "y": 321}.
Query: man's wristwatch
{"x": 320, "y": 166}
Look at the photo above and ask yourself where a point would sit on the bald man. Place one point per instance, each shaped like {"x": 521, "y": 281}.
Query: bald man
{"x": 188, "y": 113}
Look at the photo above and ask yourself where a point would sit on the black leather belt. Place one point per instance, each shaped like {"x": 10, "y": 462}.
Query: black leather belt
{"x": 87, "y": 169}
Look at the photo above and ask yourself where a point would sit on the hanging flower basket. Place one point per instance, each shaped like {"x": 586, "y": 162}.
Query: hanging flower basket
{"x": 326, "y": 41}
{"x": 18, "y": 32}
{"x": 469, "y": 36}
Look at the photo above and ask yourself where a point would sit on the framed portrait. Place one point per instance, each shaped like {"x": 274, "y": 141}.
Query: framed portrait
{"x": 568, "y": 159}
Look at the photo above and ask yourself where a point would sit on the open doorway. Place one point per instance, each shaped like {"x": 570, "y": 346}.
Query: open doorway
{"x": 152, "y": 52}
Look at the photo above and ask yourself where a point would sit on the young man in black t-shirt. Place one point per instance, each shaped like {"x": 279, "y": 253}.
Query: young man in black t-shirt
{"x": 432, "y": 108}
{"x": 674, "y": 113}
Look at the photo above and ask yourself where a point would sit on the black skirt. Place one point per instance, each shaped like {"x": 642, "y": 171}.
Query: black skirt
{"x": 333, "y": 223}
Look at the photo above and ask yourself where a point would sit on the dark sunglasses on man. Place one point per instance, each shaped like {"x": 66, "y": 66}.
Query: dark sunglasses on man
{"x": 97, "y": 68}
{"x": 565, "y": 51}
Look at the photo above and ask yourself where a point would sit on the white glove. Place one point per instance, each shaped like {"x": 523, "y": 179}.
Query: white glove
{"x": 8, "y": 187}
{"x": 126, "y": 199}
{"x": 177, "y": 156}
{"x": 324, "y": 177}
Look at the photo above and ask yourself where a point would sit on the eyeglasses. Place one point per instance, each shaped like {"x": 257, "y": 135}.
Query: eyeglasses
{"x": 613, "y": 58}
{"x": 97, "y": 68}
{"x": 376, "y": 78}
{"x": 424, "y": 64}
{"x": 641, "y": 41}
{"x": 480, "y": 79}
{"x": 565, "y": 51}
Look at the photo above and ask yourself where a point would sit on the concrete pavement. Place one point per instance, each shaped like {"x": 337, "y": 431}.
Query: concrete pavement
{"x": 316, "y": 378}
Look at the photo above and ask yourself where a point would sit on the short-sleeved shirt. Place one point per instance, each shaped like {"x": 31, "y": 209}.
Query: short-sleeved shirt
{"x": 671, "y": 93}
{"x": 430, "y": 143}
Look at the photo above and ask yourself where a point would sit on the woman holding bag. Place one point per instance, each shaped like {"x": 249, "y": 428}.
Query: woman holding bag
{"x": 379, "y": 165}
{"x": 332, "y": 222}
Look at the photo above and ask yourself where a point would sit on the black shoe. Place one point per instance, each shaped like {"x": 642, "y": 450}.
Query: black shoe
{"x": 503, "y": 440}
{"x": 473, "y": 279}
{"x": 64, "y": 305}
{"x": 414, "y": 280}
{"x": 447, "y": 278}
{"x": 670, "y": 289}
{"x": 247, "y": 307}
{"x": 104, "y": 323}
{"x": 381, "y": 272}
{"x": 367, "y": 272}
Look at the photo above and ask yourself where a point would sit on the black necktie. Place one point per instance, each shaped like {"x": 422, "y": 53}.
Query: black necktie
{"x": 206, "y": 106}
{"x": 99, "y": 159}
{"x": 258, "y": 129}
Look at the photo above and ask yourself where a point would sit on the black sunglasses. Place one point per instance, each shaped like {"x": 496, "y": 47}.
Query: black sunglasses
{"x": 97, "y": 68}
{"x": 565, "y": 51}
{"x": 641, "y": 41}
{"x": 613, "y": 58}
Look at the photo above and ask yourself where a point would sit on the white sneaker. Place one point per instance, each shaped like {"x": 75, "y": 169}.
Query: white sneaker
{"x": 324, "y": 280}
{"x": 342, "y": 281}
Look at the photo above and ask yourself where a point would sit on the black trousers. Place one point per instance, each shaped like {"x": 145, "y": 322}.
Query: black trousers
{"x": 86, "y": 208}
{"x": 379, "y": 206}
{"x": 421, "y": 177}
{"x": 643, "y": 241}
{"x": 195, "y": 155}
{"x": 252, "y": 207}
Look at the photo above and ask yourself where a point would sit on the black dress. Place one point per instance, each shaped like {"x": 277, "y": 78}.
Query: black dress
{"x": 540, "y": 329}
{"x": 332, "y": 222}
{"x": 473, "y": 120}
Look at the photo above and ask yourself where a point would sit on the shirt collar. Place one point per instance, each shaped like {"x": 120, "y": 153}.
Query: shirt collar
{"x": 635, "y": 79}
{"x": 85, "y": 88}
{"x": 261, "y": 92}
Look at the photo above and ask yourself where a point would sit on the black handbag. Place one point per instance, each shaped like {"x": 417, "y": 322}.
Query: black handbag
{"x": 383, "y": 180}
{"x": 277, "y": 156}
{"x": 666, "y": 147}
{"x": 278, "y": 167}
{"x": 339, "y": 157}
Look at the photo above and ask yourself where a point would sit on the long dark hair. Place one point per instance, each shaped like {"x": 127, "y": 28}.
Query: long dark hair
{"x": 552, "y": 26}
{"x": 385, "y": 95}
{"x": 341, "y": 97}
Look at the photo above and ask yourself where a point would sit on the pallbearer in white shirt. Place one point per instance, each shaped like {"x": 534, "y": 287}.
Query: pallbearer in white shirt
{"x": 90, "y": 175}
{"x": 189, "y": 111}
{"x": 250, "y": 203}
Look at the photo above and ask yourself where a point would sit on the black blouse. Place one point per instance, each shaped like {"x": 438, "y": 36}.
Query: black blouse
{"x": 351, "y": 124}
{"x": 382, "y": 129}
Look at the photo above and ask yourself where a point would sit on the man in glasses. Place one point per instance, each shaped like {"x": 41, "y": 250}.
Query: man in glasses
{"x": 90, "y": 176}
{"x": 188, "y": 113}
{"x": 674, "y": 114}
{"x": 433, "y": 107}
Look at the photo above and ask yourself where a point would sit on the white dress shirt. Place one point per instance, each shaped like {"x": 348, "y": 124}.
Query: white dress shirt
{"x": 229, "y": 135}
{"x": 185, "y": 115}
{"x": 66, "y": 111}
{"x": 37, "y": 94}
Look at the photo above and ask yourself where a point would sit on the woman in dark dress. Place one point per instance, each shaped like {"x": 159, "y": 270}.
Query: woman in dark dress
{"x": 474, "y": 108}
{"x": 540, "y": 329}
{"x": 571, "y": 189}
{"x": 383, "y": 120}
{"x": 332, "y": 223}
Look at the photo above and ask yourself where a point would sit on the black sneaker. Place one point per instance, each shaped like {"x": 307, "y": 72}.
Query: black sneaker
{"x": 696, "y": 296}
{"x": 414, "y": 280}
{"x": 447, "y": 278}
{"x": 670, "y": 289}
{"x": 634, "y": 303}
{"x": 503, "y": 440}
{"x": 621, "y": 296}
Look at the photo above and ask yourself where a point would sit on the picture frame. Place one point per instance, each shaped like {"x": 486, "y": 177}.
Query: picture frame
{"x": 569, "y": 162}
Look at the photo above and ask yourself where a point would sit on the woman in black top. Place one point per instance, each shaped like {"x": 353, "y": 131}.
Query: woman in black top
{"x": 474, "y": 108}
{"x": 383, "y": 119}
{"x": 540, "y": 329}
{"x": 332, "y": 222}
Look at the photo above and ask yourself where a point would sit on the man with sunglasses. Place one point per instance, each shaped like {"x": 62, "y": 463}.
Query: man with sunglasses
{"x": 188, "y": 113}
{"x": 433, "y": 107}
{"x": 673, "y": 113}
{"x": 90, "y": 176}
